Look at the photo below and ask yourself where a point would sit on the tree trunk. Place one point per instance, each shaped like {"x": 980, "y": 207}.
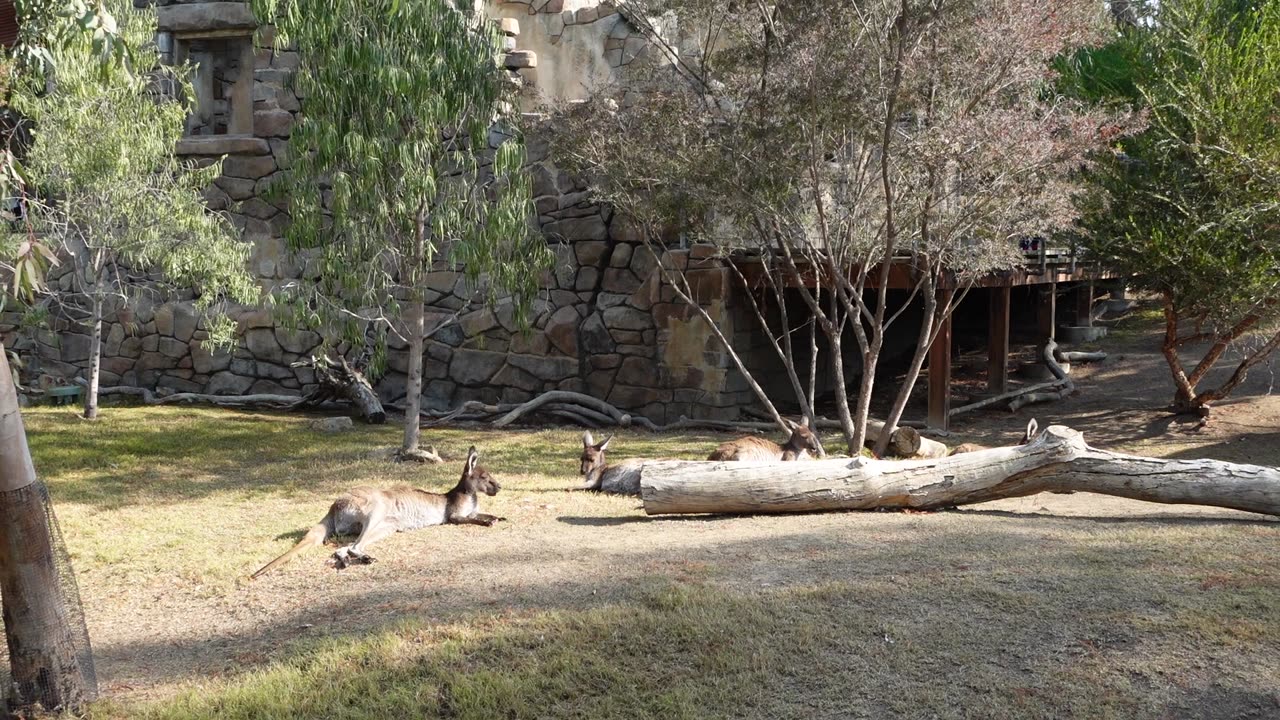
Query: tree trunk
{"x": 42, "y": 654}
{"x": 95, "y": 360}
{"x": 413, "y": 388}
{"x": 923, "y": 341}
{"x": 1058, "y": 460}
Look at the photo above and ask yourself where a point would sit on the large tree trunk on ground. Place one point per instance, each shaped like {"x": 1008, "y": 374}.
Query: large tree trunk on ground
{"x": 1058, "y": 460}
{"x": 42, "y": 653}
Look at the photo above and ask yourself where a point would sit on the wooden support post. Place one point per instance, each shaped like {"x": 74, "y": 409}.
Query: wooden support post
{"x": 1084, "y": 304}
{"x": 241, "y": 122}
{"x": 1047, "y": 314}
{"x": 998, "y": 340}
{"x": 940, "y": 369}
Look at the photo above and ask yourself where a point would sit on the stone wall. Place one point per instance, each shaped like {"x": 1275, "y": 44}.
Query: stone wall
{"x": 605, "y": 323}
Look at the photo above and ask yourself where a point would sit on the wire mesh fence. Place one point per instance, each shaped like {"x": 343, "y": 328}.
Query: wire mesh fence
{"x": 47, "y": 661}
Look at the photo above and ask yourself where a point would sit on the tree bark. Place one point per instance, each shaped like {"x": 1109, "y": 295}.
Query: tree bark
{"x": 95, "y": 360}
{"x": 413, "y": 388}
{"x": 340, "y": 380}
{"x": 1058, "y": 460}
{"x": 42, "y": 656}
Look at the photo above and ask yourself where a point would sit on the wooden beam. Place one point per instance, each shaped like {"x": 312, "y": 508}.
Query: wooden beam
{"x": 998, "y": 340}
{"x": 940, "y": 370}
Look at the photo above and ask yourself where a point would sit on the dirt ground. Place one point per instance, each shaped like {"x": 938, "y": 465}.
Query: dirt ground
{"x": 1005, "y": 594}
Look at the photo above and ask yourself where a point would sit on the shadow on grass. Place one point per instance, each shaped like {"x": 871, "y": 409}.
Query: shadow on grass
{"x": 862, "y": 630}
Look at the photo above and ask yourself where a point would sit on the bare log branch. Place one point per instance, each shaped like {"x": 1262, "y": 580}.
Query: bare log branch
{"x": 1056, "y": 461}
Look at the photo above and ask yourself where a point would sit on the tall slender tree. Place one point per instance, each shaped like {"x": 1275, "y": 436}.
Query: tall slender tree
{"x": 113, "y": 198}
{"x": 393, "y": 169}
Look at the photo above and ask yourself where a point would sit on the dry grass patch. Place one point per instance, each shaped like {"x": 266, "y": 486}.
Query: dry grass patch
{"x": 580, "y": 606}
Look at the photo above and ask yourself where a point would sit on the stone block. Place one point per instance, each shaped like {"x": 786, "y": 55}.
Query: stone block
{"x": 300, "y": 342}
{"x": 249, "y": 167}
{"x": 272, "y": 123}
{"x": 520, "y": 59}
{"x": 216, "y": 146}
{"x": 510, "y": 376}
{"x": 590, "y": 253}
{"x": 473, "y": 367}
{"x": 588, "y": 277}
{"x": 562, "y": 331}
{"x": 622, "y": 251}
{"x": 257, "y": 208}
{"x": 236, "y": 188}
{"x": 591, "y": 227}
{"x": 331, "y": 424}
{"x": 268, "y": 387}
{"x": 262, "y": 343}
{"x": 620, "y": 280}
{"x": 625, "y": 318}
{"x": 638, "y": 371}
{"x": 594, "y": 337}
{"x": 509, "y": 26}
{"x": 606, "y": 362}
{"x": 545, "y": 368}
{"x": 205, "y": 17}
{"x": 173, "y": 347}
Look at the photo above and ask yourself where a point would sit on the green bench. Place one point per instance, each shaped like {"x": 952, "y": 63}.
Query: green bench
{"x": 65, "y": 395}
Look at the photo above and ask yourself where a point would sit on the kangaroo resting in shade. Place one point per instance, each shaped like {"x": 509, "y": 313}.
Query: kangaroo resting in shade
{"x": 800, "y": 446}
{"x": 375, "y": 514}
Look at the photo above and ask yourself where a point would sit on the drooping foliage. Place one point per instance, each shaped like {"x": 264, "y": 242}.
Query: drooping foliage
{"x": 406, "y": 159}
{"x": 108, "y": 193}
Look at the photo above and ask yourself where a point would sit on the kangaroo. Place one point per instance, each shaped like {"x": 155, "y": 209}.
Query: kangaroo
{"x": 375, "y": 514}
{"x": 1027, "y": 436}
{"x": 620, "y": 478}
{"x": 800, "y": 446}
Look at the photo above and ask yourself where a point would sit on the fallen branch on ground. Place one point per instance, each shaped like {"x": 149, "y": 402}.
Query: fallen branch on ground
{"x": 1058, "y": 460}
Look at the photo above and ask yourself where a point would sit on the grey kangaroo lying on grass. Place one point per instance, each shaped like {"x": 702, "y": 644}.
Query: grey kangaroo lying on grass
{"x": 620, "y": 478}
{"x": 375, "y": 514}
{"x": 800, "y": 446}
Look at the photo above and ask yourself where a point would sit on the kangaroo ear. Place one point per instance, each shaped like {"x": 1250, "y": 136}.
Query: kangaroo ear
{"x": 472, "y": 458}
{"x": 1030, "y": 434}
{"x": 804, "y": 421}
{"x": 605, "y": 444}
{"x": 587, "y": 440}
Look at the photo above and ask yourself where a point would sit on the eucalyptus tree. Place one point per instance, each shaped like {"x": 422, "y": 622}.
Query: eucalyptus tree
{"x": 838, "y": 139}
{"x": 43, "y": 27}
{"x": 1191, "y": 207}
{"x": 393, "y": 171}
{"x": 112, "y": 197}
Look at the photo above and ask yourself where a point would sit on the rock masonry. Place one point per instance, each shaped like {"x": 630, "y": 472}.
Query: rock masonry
{"x": 605, "y": 323}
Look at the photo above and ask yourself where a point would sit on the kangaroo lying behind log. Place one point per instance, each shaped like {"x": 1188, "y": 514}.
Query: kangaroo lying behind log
{"x": 800, "y": 446}
{"x": 1027, "y": 436}
{"x": 620, "y": 478}
{"x": 375, "y": 514}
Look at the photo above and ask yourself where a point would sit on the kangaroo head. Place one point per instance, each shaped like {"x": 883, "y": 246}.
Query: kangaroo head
{"x": 592, "y": 454}
{"x": 803, "y": 439}
{"x": 476, "y": 477}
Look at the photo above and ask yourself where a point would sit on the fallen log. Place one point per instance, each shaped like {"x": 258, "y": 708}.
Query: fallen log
{"x": 1065, "y": 385}
{"x": 338, "y": 380}
{"x": 1058, "y": 460}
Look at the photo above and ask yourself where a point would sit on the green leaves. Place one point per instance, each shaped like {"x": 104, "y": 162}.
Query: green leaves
{"x": 399, "y": 98}
{"x": 1193, "y": 204}
{"x": 111, "y": 190}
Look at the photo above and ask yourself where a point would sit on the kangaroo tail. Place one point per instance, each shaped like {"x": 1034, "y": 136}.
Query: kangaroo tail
{"x": 315, "y": 537}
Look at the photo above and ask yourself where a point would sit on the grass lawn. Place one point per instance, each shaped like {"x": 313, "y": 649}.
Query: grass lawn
{"x": 581, "y": 606}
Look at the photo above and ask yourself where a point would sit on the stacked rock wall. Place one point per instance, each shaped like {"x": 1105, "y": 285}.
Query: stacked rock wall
{"x": 605, "y": 322}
